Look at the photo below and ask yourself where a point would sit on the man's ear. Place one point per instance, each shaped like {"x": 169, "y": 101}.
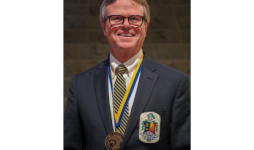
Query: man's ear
{"x": 103, "y": 27}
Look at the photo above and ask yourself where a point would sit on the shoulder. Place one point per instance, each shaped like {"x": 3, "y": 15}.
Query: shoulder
{"x": 88, "y": 74}
{"x": 162, "y": 70}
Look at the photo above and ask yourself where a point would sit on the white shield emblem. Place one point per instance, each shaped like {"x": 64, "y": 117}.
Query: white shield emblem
{"x": 149, "y": 127}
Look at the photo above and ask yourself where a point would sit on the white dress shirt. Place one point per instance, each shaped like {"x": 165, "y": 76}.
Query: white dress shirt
{"x": 131, "y": 65}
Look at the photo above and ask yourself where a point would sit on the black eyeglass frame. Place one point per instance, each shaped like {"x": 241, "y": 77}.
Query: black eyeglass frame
{"x": 143, "y": 18}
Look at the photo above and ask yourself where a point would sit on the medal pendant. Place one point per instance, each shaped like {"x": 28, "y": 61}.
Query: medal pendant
{"x": 113, "y": 141}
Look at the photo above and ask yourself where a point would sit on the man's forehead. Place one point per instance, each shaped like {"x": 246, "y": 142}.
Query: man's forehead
{"x": 124, "y": 6}
{"x": 126, "y": 3}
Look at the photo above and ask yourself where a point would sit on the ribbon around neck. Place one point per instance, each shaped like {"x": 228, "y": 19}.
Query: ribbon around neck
{"x": 118, "y": 116}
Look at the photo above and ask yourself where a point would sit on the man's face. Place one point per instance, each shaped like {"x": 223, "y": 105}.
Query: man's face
{"x": 116, "y": 36}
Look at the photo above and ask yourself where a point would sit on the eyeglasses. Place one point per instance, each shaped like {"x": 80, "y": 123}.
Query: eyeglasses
{"x": 117, "y": 20}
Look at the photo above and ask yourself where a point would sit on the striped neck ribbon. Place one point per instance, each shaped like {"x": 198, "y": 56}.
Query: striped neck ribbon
{"x": 118, "y": 116}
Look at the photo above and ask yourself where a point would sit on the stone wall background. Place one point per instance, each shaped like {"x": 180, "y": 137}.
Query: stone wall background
{"x": 167, "y": 41}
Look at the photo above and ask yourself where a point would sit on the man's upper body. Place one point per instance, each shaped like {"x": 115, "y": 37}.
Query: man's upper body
{"x": 159, "y": 90}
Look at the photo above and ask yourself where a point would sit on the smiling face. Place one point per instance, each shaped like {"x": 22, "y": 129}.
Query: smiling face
{"x": 125, "y": 41}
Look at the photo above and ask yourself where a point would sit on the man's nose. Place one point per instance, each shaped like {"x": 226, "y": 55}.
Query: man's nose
{"x": 126, "y": 23}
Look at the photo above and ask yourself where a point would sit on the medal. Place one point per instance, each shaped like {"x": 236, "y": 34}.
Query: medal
{"x": 113, "y": 141}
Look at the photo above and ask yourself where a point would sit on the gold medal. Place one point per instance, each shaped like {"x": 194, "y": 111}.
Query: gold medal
{"x": 113, "y": 141}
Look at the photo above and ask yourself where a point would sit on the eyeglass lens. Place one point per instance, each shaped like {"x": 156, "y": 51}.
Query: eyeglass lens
{"x": 134, "y": 21}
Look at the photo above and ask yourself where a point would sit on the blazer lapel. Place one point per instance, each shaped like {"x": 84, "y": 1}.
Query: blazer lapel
{"x": 101, "y": 92}
{"x": 145, "y": 86}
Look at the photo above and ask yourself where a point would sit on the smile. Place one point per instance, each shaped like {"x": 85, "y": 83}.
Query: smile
{"x": 128, "y": 35}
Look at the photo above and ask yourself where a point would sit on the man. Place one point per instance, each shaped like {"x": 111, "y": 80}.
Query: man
{"x": 128, "y": 101}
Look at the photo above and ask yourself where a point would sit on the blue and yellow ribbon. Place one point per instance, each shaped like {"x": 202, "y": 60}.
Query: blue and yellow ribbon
{"x": 118, "y": 116}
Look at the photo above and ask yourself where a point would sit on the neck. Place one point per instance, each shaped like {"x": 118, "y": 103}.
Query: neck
{"x": 124, "y": 55}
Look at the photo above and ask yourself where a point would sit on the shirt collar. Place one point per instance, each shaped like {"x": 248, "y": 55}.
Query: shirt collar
{"x": 130, "y": 64}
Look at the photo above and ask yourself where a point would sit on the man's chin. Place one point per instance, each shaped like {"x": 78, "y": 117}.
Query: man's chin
{"x": 126, "y": 45}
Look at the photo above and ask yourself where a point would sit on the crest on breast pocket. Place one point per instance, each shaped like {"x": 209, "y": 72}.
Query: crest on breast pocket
{"x": 149, "y": 127}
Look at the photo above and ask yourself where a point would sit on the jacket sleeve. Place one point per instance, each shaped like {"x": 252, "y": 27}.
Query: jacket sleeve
{"x": 180, "y": 125}
{"x": 73, "y": 139}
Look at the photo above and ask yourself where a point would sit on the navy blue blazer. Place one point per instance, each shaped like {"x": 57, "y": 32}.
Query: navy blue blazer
{"x": 161, "y": 89}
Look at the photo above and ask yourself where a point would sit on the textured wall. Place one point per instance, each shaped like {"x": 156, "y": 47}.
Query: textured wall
{"x": 167, "y": 41}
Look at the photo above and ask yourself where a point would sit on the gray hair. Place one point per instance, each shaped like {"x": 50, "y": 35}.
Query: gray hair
{"x": 105, "y": 3}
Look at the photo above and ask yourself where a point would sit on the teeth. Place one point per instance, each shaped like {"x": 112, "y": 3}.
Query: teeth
{"x": 125, "y": 35}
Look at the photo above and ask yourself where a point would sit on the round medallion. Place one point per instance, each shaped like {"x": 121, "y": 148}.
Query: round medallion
{"x": 113, "y": 141}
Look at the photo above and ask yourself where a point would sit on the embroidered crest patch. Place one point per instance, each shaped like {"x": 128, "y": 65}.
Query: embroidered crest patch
{"x": 149, "y": 127}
